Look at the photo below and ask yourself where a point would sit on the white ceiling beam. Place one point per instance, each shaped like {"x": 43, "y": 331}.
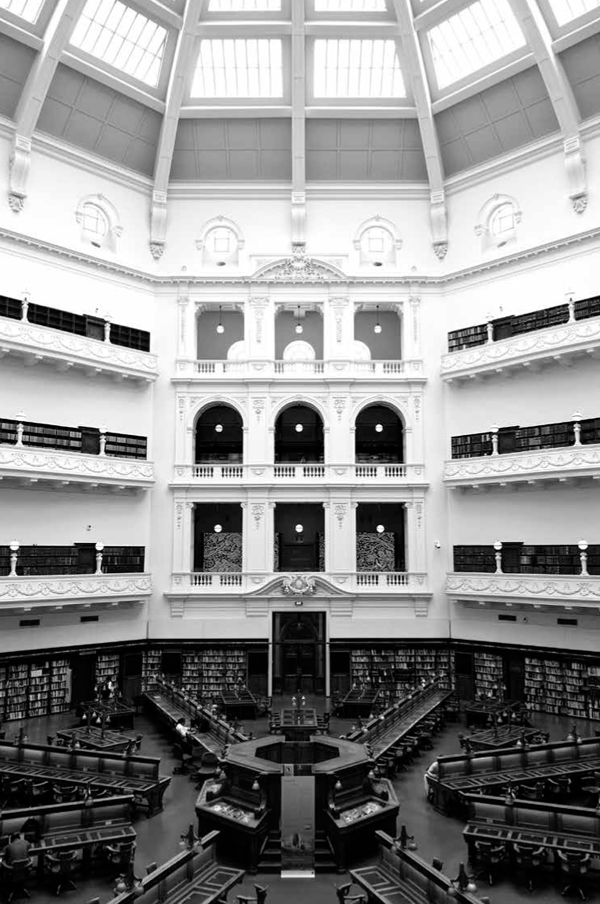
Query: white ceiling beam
{"x": 561, "y": 95}
{"x": 17, "y": 33}
{"x": 160, "y": 13}
{"x": 180, "y": 75}
{"x": 59, "y": 29}
{"x": 414, "y": 68}
{"x": 298, "y": 94}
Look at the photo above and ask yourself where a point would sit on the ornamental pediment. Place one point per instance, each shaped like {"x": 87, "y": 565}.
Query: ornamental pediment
{"x": 298, "y": 268}
{"x": 302, "y": 587}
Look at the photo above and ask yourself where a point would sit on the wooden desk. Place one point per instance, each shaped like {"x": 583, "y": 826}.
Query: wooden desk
{"x": 359, "y": 703}
{"x": 96, "y": 739}
{"x": 479, "y": 711}
{"x": 240, "y": 829}
{"x": 121, "y": 714}
{"x": 387, "y": 732}
{"x": 502, "y": 736}
{"x": 238, "y": 704}
{"x": 298, "y": 724}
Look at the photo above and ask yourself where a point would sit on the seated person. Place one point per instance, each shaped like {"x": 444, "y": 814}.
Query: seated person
{"x": 181, "y": 729}
{"x": 17, "y": 849}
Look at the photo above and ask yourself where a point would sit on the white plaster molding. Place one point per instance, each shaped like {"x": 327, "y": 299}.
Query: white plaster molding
{"x": 299, "y": 476}
{"x": 38, "y": 342}
{"x": 213, "y": 224}
{"x": 115, "y": 230}
{"x": 409, "y": 586}
{"x": 88, "y": 587}
{"x": 440, "y": 250}
{"x": 299, "y": 269}
{"x": 53, "y": 465}
{"x": 548, "y": 464}
{"x": 521, "y": 351}
{"x": 522, "y": 588}
{"x": 382, "y": 223}
{"x": 19, "y": 164}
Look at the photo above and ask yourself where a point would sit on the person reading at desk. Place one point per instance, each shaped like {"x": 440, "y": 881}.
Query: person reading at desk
{"x": 17, "y": 849}
{"x": 181, "y": 729}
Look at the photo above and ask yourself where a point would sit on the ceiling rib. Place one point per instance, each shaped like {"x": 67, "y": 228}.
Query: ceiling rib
{"x": 180, "y": 76}
{"x": 298, "y": 73}
{"x": 415, "y": 69}
{"x": 59, "y": 29}
{"x": 560, "y": 92}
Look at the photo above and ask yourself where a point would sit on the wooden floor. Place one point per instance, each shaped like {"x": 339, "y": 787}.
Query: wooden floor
{"x": 436, "y": 835}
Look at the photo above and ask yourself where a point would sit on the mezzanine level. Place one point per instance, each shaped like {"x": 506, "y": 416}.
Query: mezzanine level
{"x": 30, "y": 595}
{"x": 536, "y": 591}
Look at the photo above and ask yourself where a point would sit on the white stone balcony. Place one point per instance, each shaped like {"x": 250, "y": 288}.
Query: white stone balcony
{"x": 392, "y": 474}
{"x": 528, "y": 351}
{"x": 32, "y": 594}
{"x": 73, "y": 470}
{"x": 338, "y": 369}
{"x": 560, "y": 464}
{"x": 535, "y": 590}
{"x": 301, "y": 585}
{"x": 41, "y": 344}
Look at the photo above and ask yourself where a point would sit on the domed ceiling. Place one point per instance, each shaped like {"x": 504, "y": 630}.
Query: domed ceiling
{"x": 300, "y": 91}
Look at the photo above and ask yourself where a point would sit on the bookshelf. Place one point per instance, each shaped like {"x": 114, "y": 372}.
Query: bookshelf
{"x": 468, "y": 337}
{"x": 126, "y": 446}
{"x": 10, "y": 307}
{"x": 17, "y": 677}
{"x": 489, "y": 673}
{"x": 107, "y": 666}
{"x": 587, "y": 307}
{"x": 74, "y": 439}
{"x": 471, "y": 445}
{"x": 130, "y": 337}
{"x": 123, "y": 559}
{"x": 150, "y": 667}
{"x": 474, "y": 558}
{"x": 60, "y": 686}
{"x": 400, "y": 668}
{"x": 557, "y": 686}
{"x": 207, "y": 672}
{"x": 520, "y": 559}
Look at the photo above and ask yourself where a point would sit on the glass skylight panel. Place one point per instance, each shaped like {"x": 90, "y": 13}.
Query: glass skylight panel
{"x": 353, "y": 68}
{"x": 26, "y": 9}
{"x": 567, "y": 10}
{"x": 244, "y": 6}
{"x": 121, "y": 37}
{"x": 478, "y": 35}
{"x": 239, "y": 67}
{"x": 350, "y": 6}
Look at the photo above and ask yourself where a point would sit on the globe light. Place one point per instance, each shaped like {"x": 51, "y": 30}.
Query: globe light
{"x": 299, "y": 528}
{"x": 377, "y": 327}
{"x": 220, "y": 327}
{"x": 378, "y": 428}
{"x": 299, "y": 428}
{"x": 218, "y": 428}
{"x": 380, "y": 528}
{"x": 218, "y": 528}
{"x": 299, "y": 329}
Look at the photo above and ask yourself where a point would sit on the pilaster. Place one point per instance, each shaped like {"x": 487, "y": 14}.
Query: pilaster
{"x": 260, "y": 328}
{"x": 338, "y": 327}
{"x": 340, "y": 534}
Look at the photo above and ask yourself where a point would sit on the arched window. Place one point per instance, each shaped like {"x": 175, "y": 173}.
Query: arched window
{"x": 221, "y": 243}
{"x": 498, "y": 221}
{"x": 377, "y": 243}
{"x": 99, "y": 222}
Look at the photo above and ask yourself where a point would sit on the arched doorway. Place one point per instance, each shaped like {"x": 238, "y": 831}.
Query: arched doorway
{"x": 379, "y": 435}
{"x": 219, "y": 435}
{"x": 299, "y": 652}
{"x": 299, "y": 435}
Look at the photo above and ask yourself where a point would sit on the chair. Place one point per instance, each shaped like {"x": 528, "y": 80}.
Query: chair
{"x": 64, "y": 793}
{"x": 207, "y": 767}
{"x": 16, "y": 875}
{"x": 537, "y": 792}
{"x": 575, "y": 866}
{"x": 14, "y": 793}
{"x": 490, "y": 858}
{"x": 528, "y": 860}
{"x": 185, "y": 760}
{"x": 437, "y": 864}
{"x": 60, "y": 868}
{"x": 261, "y": 896}
{"x": 120, "y": 856}
{"x": 560, "y": 789}
{"x": 39, "y": 793}
{"x": 344, "y": 896}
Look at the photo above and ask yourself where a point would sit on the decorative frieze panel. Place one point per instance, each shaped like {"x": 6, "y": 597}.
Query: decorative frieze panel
{"x": 321, "y": 584}
{"x": 558, "y": 465}
{"x": 72, "y": 469}
{"x": 524, "y": 589}
{"x": 553, "y": 345}
{"x": 64, "y": 350}
{"x": 41, "y": 592}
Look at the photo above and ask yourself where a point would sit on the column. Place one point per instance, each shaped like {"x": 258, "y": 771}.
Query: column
{"x": 411, "y": 328}
{"x": 186, "y": 328}
{"x": 258, "y": 534}
{"x": 182, "y": 535}
{"x": 341, "y": 433}
{"x": 259, "y": 328}
{"x": 416, "y": 559}
{"x": 340, "y": 534}
{"x": 338, "y": 328}
{"x": 257, "y": 439}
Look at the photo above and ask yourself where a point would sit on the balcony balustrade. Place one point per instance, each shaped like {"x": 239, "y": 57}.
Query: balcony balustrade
{"x": 538, "y": 591}
{"x": 561, "y": 465}
{"x": 32, "y": 594}
{"x": 393, "y": 474}
{"x": 346, "y": 582}
{"x": 187, "y": 369}
{"x": 74, "y": 470}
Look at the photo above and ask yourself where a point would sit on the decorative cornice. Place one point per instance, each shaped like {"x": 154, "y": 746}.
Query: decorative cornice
{"x": 570, "y": 338}
{"x": 41, "y": 342}
{"x": 576, "y": 461}
{"x": 523, "y": 587}
{"x": 77, "y": 587}
{"x": 299, "y": 269}
{"x": 74, "y": 466}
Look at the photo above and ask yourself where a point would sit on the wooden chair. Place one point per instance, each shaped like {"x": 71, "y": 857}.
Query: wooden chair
{"x": 207, "y": 767}
{"x": 490, "y": 859}
{"x": 64, "y": 793}
{"x": 60, "y": 868}
{"x": 261, "y": 896}
{"x": 344, "y": 895}
{"x": 529, "y": 861}
{"x": 15, "y": 876}
{"x": 574, "y": 866}
{"x": 184, "y": 759}
{"x": 120, "y": 856}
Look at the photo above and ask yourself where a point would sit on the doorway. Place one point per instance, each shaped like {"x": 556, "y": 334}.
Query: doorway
{"x": 299, "y": 652}
{"x": 83, "y": 680}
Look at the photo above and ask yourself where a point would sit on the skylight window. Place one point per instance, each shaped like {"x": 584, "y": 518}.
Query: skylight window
{"x": 473, "y": 38}
{"x": 357, "y": 68}
{"x": 244, "y": 6}
{"x": 567, "y": 10}
{"x": 26, "y": 9}
{"x": 239, "y": 67}
{"x": 121, "y": 37}
{"x": 350, "y": 6}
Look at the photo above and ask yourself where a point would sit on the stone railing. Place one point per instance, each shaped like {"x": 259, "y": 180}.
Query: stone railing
{"x": 64, "y": 468}
{"x": 207, "y": 473}
{"x": 337, "y": 368}
{"x": 303, "y": 584}
{"x": 26, "y": 592}
{"x": 525, "y": 351}
{"x": 64, "y": 350}
{"x": 558, "y": 463}
{"x": 533, "y": 589}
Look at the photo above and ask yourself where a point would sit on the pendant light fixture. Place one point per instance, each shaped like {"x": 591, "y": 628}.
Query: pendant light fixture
{"x": 220, "y": 327}
{"x": 377, "y": 327}
{"x": 299, "y": 329}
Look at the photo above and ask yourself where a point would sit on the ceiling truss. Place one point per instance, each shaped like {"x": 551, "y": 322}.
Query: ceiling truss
{"x": 401, "y": 23}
